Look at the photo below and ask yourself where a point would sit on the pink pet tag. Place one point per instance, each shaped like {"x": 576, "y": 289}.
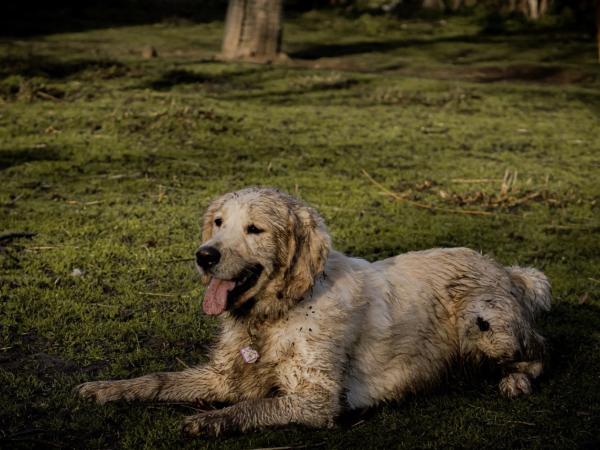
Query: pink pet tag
{"x": 249, "y": 354}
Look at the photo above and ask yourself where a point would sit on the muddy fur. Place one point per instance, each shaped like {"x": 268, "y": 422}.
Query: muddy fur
{"x": 336, "y": 333}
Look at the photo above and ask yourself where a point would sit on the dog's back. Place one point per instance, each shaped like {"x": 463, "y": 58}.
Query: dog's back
{"x": 447, "y": 304}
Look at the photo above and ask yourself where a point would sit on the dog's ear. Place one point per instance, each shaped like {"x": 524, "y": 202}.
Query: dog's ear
{"x": 208, "y": 224}
{"x": 208, "y": 221}
{"x": 209, "y": 216}
{"x": 308, "y": 251}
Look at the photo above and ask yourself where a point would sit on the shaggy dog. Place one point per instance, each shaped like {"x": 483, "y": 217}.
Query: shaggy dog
{"x": 308, "y": 332}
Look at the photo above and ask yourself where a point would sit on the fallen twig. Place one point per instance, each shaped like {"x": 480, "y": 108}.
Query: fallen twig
{"x": 48, "y": 96}
{"x": 532, "y": 196}
{"x": 529, "y": 424}
{"x": 183, "y": 405}
{"x": 120, "y": 176}
{"x": 289, "y": 447}
{"x": 41, "y": 442}
{"x": 572, "y": 227}
{"x": 182, "y": 362}
{"x": 47, "y": 247}
{"x": 475, "y": 180}
{"x": 386, "y": 191}
{"x": 158, "y": 294}
{"x": 24, "y": 433}
{"x": 508, "y": 182}
{"x": 76, "y": 202}
{"x": 169, "y": 261}
{"x": 13, "y": 201}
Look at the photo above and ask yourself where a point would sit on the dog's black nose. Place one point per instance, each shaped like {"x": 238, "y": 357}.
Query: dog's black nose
{"x": 206, "y": 257}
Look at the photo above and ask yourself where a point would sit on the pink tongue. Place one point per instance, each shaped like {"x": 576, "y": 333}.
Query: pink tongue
{"x": 215, "y": 297}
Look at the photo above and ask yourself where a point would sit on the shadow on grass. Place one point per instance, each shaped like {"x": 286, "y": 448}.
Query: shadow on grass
{"x": 337, "y": 50}
{"x": 575, "y": 43}
{"x": 10, "y": 158}
{"x": 176, "y": 77}
{"x": 523, "y": 39}
{"x": 295, "y": 96}
{"x": 40, "y": 66}
{"x": 590, "y": 99}
{"x": 173, "y": 78}
{"x": 540, "y": 74}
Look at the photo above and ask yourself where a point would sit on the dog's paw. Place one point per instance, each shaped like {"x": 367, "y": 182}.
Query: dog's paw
{"x": 210, "y": 424}
{"x": 515, "y": 384}
{"x": 100, "y": 391}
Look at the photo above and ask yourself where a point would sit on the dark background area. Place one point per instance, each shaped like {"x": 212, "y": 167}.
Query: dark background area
{"x": 29, "y": 18}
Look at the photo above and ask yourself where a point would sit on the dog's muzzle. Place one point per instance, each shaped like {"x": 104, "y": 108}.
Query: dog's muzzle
{"x": 207, "y": 257}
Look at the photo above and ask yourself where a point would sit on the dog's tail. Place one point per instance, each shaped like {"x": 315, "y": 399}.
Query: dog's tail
{"x": 534, "y": 288}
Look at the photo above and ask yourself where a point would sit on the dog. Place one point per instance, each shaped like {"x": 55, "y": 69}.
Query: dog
{"x": 307, "y": 332}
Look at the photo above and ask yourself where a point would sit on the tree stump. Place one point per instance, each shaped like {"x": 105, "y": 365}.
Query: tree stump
{"x": 253, "y": 30}
{"x": 598, "y": 26}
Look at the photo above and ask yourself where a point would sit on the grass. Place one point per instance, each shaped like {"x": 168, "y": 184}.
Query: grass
{"x": 110, "y": 159}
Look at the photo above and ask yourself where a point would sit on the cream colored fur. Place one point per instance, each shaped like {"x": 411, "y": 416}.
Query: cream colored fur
{"x": 336, "y": 332}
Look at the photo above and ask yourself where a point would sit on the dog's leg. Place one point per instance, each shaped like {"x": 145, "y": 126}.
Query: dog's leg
{"x": 205, "y": 383}
{"x": 517, "y": 379}
{"x": 526, "y": 367}
{"x": 517, "y": 350}
{"x": 252, "y": 414}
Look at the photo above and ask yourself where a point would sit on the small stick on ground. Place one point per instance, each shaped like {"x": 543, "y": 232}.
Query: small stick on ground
{"x": 386, "y": 191}
{"x": 182, "y": 362}
{"x": 41, "y": 443}
{"x": 176, "y": 260}
{"x": 582, "y": 226}
{"x": 48, "y": 247}
{"x": 48, "y": 96}
{"x": 158, "y": 294}
{"x": 319, "y": 444}
{"x": 162, "y": 405}
{"x": 520, "y": 422}
{"x": 475, "y": 180}
{"x": 14, "y": 200}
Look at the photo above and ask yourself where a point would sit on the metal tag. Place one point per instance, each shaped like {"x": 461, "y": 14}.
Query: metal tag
{"x": 250, "y": 355}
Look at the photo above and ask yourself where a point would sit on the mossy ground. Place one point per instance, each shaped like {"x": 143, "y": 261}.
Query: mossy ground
{"x": 110, "y": 159}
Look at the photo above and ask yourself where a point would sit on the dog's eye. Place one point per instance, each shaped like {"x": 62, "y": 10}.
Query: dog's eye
{"x": 253, "y": 229}
{"x": 218, "y": 221}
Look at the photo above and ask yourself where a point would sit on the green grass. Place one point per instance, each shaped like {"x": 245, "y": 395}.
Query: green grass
{"x": 111, "y": 159}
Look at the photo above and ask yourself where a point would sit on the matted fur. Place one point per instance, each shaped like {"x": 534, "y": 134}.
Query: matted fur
{"x": 336, "y": 332}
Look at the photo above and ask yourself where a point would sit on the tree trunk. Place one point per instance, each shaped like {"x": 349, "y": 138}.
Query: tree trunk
{"x": 533, "y": 9}
{"x": 523, "y": 7}
{"x": 455, "y": 5}
{"x": 434, "y": 5}
{"x": 598, "y": 26}
{"x": 253, "y": 30}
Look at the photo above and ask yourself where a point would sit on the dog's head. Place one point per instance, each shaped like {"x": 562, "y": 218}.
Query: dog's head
{"x": 261, "y": 249}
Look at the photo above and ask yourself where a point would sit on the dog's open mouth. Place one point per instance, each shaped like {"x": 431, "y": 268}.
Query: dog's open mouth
{"x": 221, "y": 293}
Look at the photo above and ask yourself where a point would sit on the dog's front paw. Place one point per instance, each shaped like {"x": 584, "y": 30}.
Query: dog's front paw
{"x": 515, "y": 384}
{"x": 100, "y": 391}
{"x": 213, "y": 423}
